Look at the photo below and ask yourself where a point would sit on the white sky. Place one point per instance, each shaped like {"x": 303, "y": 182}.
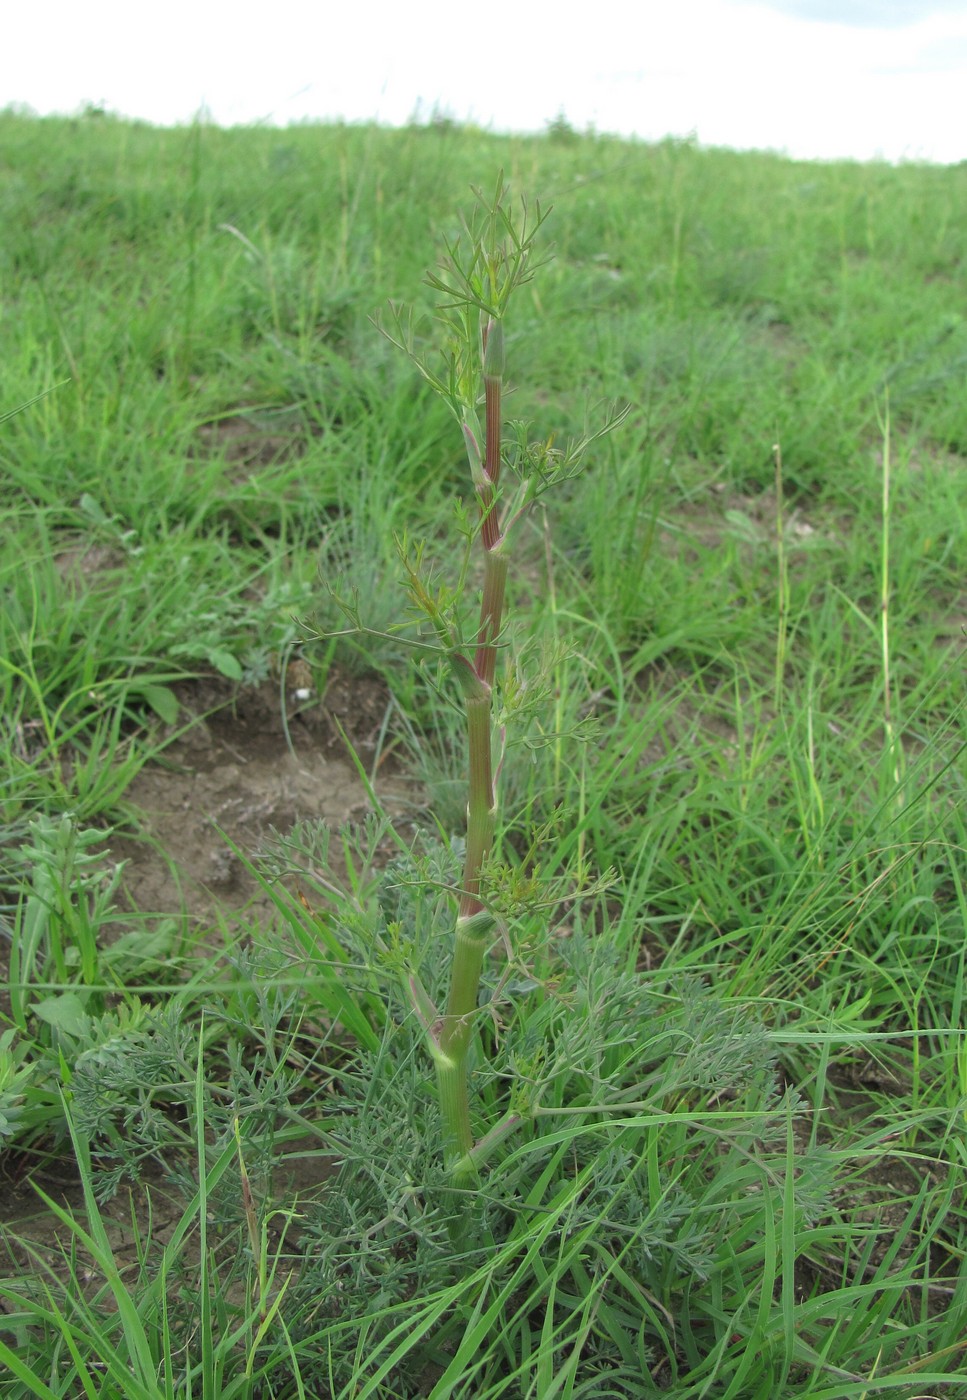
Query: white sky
{"x": 814, "y": 78}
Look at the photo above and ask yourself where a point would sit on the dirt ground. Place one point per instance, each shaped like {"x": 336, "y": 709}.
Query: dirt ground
{"x": 244, "y": 767}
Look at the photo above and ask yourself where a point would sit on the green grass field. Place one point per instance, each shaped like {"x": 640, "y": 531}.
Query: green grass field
{"x": 731, "y": 824}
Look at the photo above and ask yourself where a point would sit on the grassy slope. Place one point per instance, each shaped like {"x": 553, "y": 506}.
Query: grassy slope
{"x": 789, "y": 828}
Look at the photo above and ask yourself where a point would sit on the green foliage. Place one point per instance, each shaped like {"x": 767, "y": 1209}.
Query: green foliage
{"x": 392, "y": 1194}
{"x": 737, "y": 1071}
{"x": 67, "y": 998}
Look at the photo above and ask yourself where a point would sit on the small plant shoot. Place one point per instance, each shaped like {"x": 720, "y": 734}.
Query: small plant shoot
{"x": 476, "y": 283}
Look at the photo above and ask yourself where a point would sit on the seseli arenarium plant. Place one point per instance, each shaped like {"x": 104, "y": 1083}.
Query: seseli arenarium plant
{"x": 476, "y": 281}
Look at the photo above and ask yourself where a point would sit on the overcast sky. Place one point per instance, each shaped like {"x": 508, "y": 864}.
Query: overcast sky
{"x": 814, "y": 78}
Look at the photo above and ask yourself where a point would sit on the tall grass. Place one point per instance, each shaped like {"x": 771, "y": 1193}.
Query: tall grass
{"x": 742, "y": 1170}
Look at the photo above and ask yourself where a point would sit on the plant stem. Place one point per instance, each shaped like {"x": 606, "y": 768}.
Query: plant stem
{"x": 893, "y": 750}
{"x": 493, "y": 372}
{"x": 480, "y": 807}
{"x": 474, "y": 927}
{"x": 473, "y": 937}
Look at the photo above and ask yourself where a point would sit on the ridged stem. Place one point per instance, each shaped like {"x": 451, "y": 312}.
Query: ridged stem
{"x": 474, "y": 928}
{"x": 473, "y": 936}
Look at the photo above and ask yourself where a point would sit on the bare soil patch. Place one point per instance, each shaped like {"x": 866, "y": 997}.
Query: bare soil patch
{"x": 244, "y": 442}
{"x": 249, "y": 762}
